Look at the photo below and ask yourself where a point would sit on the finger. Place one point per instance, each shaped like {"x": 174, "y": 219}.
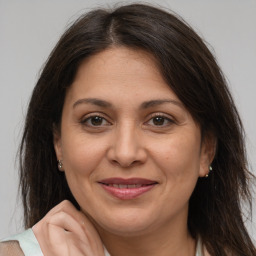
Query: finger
{"x": 66, "y": 223}
{"x": 75, "y": 222}
{"x": 86, "y": 224}
{"x": 65, "y": 205}
{"x": 68, "y": 207}
{"x": 82, "y": 219}
{"x": 61, "y": 234}
{"x": 67, "y": 242}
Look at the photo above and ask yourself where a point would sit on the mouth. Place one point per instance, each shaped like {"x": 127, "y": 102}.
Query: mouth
{"x": 127, "y": 188}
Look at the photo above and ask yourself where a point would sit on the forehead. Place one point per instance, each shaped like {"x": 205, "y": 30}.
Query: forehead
{"x": 122, "y": 72}
{"x": 129, "y": 57}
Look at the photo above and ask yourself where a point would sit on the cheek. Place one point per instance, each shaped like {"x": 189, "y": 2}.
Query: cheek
{"x": 82, "y": 155}
{"x": 179, "y": 158}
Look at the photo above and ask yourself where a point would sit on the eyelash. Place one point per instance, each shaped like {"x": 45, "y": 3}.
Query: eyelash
{"x": 165, "y": 118}
{"x": 94, "y": 115}
{"x": 152, "y": 116}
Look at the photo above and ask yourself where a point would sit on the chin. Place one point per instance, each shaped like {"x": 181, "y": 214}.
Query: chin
{"x": 125, "y": 229}
{"x": 127, "y": 223}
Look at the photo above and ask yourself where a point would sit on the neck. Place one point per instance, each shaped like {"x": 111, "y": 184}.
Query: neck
{"x": 170, "y": 240}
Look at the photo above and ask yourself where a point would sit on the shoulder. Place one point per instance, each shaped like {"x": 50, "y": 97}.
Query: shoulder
{"x": 10, "y": 248}
{"x": 21, "y": 244}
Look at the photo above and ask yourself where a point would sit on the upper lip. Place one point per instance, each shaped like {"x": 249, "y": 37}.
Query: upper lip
{"x": 129, "y": 181}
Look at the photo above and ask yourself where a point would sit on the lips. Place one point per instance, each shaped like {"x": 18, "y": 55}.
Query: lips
{"x": 127, "y": 188}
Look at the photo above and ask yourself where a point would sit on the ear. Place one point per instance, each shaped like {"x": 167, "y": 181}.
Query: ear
{"x": 57, "y": 142}
{"x": 208, "y": 149}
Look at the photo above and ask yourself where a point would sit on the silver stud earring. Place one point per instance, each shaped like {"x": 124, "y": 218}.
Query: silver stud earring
{"x": 60, "y": 165}
{"x": 210, "y": 169}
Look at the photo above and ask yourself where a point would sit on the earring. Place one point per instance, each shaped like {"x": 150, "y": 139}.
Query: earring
{"x": 60, "y": 165}
{"x": 210, "y": 169}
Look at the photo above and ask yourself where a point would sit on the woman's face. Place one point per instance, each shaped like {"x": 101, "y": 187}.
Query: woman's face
{"x": 131, "y": 152}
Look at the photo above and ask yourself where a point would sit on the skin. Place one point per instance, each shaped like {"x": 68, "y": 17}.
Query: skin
{"x": 129, "y": 137}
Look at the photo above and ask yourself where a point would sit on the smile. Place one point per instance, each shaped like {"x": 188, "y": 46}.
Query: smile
{"x": 126, "y": 189}
{"x": 125, "y": 186}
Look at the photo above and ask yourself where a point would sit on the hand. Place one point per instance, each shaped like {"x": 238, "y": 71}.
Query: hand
{"x": 65, "y": 231}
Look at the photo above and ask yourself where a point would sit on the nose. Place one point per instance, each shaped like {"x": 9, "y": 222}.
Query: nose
{"x": 127, "y": 148}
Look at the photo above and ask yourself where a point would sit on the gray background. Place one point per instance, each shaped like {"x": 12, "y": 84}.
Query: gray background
{"x": 29, "y": 30}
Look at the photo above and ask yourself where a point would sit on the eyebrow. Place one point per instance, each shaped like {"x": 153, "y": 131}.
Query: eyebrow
{"x": 93, "y": 101}
{"x": 152, "y": 103}
{"x": 144, "y": 105}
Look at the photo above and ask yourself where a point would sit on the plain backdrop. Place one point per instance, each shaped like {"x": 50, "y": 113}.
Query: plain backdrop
{"x": 29, "y": 30}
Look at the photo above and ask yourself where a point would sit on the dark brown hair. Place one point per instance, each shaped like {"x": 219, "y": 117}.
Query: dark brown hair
{"x": 192, "y": 73}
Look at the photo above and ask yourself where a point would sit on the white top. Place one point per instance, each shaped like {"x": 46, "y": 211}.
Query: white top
{"x": 30, "y": 245}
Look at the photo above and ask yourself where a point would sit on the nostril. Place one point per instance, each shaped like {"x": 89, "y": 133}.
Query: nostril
{"x": 126, "y": 156}
{"x": 125, "y": 164}
{"x": 115, "y": 162}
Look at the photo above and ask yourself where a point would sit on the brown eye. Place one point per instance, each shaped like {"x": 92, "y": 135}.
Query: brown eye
{"x": 158, "y": 120}
{"x": 94, "y": 121}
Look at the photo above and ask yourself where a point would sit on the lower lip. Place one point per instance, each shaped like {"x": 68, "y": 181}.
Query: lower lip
{"x": 127, "y": 193}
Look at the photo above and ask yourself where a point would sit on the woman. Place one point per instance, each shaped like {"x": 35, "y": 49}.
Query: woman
{"x": 132, "y": 144}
